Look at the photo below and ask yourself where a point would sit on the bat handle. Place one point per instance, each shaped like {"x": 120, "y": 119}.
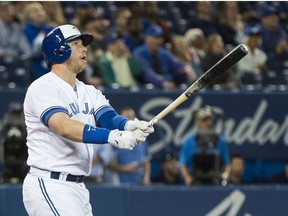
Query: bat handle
{"x": 169, "y": 108}
{"x": 153, "y": 121}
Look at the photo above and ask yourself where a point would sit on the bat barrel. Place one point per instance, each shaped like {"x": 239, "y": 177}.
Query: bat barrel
{"x": 218, "y": 69}
{"x": 208, "y": 77}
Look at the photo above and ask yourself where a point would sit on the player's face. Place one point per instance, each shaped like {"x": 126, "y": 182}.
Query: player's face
{"x": 77, "y": 60}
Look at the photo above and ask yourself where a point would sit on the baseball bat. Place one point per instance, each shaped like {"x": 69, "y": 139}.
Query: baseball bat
{"x": 208, "y": 77}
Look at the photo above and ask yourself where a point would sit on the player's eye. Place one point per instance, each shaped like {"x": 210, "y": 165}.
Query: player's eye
{"x": 76, "y": 43}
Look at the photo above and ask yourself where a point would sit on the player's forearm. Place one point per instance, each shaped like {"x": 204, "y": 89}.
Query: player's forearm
{"x": 70, "y": 129}
{"x": 77, "y": 131}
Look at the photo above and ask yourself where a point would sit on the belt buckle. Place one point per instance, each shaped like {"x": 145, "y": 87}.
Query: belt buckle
{"x": 77, "y": 179}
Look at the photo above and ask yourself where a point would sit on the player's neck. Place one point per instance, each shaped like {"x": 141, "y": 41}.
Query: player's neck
{"x": 65, "y": 75}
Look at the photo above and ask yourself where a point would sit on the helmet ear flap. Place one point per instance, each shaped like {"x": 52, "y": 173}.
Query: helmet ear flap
{"x": 63, "y": 53}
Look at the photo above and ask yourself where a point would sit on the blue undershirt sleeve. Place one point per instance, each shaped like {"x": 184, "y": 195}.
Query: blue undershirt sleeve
{"x": 108, "y": 118}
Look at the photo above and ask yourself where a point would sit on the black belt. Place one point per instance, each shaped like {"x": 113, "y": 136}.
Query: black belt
{"x": 69, "y": 177}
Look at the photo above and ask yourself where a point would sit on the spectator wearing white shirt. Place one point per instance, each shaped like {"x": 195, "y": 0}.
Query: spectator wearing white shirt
{"x": 253, "y": 65}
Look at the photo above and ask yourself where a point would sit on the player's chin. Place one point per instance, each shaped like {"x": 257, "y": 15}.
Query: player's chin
{"x": 82, "y": 64}
{"x": 79, "y": 68}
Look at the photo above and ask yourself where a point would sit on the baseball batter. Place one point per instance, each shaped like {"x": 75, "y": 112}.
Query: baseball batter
{"x": 64, "y": 118}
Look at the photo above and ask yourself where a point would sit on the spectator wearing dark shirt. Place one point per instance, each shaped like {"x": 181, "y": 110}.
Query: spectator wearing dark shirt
{"x": 83, "y": 9}
{"x": 214, "y": 51}
{"x": 134, "y": 37}
{"x": 230, "y": 25}
{"x": 204, "y": 18}
{"x": 274, "y": 44}
{"x": 237, "y": 166}
{"x": 100, "y": 29}
{"x": 120, "y": 18}
{"x": 161, "y": 68}
{"x": 169, "y": 171}
{"x": 151, "y": 13}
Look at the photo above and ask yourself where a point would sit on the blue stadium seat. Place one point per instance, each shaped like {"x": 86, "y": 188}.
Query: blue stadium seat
{"x": 20, "y": 76}
{"x": 3, "y": 76}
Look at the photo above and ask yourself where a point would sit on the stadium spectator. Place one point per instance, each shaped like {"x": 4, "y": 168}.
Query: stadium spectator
{"x": 249, "y": 13}
{"x": 102, "y": 158}
{"x": 19, "y": 12}
{"x": 82, "y": 10}
{"x": 230, "y": 25}
{"x": 214, "y": 51}
{"x": 274, "y": 44}
{"x": 237, "y": 167}
{"x": 15, "y": 49}
{"x": 204, "y": 18}
{"x": 253, "y": 65}
{"x": 98, "y": 25}
{"x": 99, "y": 29}
{"x": 169, "y": 171}
{"x": 136, "y": 9}
{"x": 138, "y": 156}
{"x": 105, "y": 168}
{"x": 161, "y": 67}
{"x": 203, "y": 150}
{"x": 151, "y": 13}
{"x": 134, "y": 37}
{"x": 120, "y": 18}
{"x": 117, "y": 66}
{"x": 196, "y": 40}
{"x": 180, "y": 49}
{"x": 54, "y": 11}
{"x": 35, "y": 29}
{"x": 91, "y": 74}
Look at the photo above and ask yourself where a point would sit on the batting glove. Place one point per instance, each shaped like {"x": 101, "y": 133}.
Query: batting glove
{"x": 145, "y": 126}
{"x": 126, "y": 139}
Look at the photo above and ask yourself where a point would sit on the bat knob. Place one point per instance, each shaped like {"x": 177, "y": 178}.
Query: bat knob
{"x": 244, "y": 48}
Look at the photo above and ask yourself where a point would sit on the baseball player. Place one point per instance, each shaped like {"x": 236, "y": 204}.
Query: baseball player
{"x": 64, "y": 118}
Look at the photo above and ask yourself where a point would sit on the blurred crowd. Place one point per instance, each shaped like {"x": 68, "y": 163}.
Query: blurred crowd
{"x": 151, "y": 44}
{"x": 202, "y": 159}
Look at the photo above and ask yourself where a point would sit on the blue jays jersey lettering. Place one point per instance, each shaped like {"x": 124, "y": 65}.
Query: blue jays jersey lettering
{"x": 73, "y": 109}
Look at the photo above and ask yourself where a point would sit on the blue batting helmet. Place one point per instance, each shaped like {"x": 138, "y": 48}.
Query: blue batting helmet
{"x": 54, "y": 46}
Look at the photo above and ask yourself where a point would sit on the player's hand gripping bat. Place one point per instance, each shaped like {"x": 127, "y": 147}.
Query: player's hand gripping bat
{"x": 208, "y": 77}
